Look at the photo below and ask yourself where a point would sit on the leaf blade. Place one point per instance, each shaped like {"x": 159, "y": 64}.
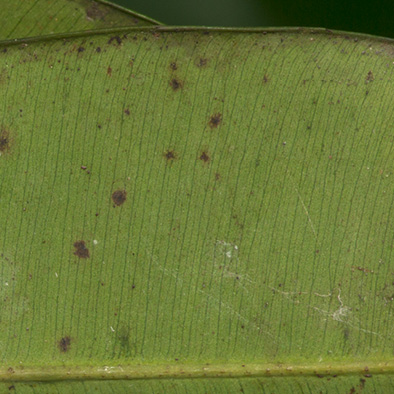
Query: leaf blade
{"x": 216, "y": 133}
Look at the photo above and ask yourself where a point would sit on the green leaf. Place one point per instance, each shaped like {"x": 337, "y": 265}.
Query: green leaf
{"x": 200, "y": 210}
{"x": 21, "y": 18}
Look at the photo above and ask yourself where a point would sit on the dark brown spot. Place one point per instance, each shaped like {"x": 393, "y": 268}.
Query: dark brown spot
{"x": 115, "y": 38}
{"x": 81, "y": 250}
{"x": 64, "y": 344}
{"x": 215, "y": 120}
{"x": 4, "y": 140}
{"x": 170, "y": 155}
{"x": 98, "y": 49}
{"x": 202, "y": 62}
{"x": 217, "y": 176}
{"x": 109, "y": 71}
{"x": 204, "y": 157}
{"x": 119, "y": 197}
{"x": 81, "y": 49}
{"x": 12, "y": 387}
{"x": 265, "y": 78}
{"x": 127, "y": 111}
{"x": 173, "y": 66}
{"x": 95, "y": 12}
{"x": 175, "y": 84}
{"x": 369, "y": 77}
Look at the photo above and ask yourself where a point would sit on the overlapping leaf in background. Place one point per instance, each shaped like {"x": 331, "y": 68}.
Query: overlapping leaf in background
{"x": 193, "y": 210}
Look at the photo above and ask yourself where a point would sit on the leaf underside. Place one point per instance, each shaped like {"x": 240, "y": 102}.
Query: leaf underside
{"x": 212, "y": 207}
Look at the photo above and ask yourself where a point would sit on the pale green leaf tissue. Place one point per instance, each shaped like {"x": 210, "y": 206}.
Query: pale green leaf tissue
{"x": 199, "y": 210}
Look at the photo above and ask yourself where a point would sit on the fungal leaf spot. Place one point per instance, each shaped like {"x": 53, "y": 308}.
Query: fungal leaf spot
{"x": 369, "y": 77}
{"x": 81, "y": 250}
{"x": 202, "y": 62}
{"x": 119, "y": 197}
{"x": 170, "y": 155}
{"x": 204, "y": 157}
{"x": 5, "y": 141}
{"x": 175, "y": 84}
{"x": 64, "y": 344}
{"x": 215, "y": 120}
{"x": 173, "y": 66}
{"x": 115, "y": 38}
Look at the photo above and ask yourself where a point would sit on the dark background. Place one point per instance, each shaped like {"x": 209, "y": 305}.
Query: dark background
{"x": 371, "y": 17}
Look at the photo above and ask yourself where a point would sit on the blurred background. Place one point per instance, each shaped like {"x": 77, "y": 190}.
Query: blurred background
{"x": 371, "y": 17}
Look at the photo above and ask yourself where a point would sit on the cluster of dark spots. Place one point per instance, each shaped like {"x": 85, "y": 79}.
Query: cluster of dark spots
{"x": 64, "y": 344}
{"x": 4, "y": 140}
{"x": 81, "y": 49}
{"x": 173, "y": 66}
{"x": 215, "y": 120}
{"x": 170, "y": 155}
{"x": 81, "y": 250}
{"x": 119, "y": 197}
{"x": 175, "y": 84}
{"x": 202, "y": 62}
{"x": 94, "y": 12}
{"x": 115, "y": 38}
{"x": 369, "y": 77}
{"x": 204, "y": 157}
{"x": 127, "y": 111}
